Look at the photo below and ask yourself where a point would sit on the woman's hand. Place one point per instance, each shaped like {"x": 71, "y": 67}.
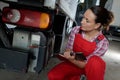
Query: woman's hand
{"x": 67, "y": 55}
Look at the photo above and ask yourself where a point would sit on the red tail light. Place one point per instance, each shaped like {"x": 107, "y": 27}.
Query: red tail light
{"x": 26, "y": 18}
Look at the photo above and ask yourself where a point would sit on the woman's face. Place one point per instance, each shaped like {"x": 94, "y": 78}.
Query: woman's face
{"x": 88, "y": 21}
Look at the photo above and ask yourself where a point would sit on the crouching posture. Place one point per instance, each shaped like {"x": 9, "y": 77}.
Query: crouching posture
{"x": 91, "y": 42}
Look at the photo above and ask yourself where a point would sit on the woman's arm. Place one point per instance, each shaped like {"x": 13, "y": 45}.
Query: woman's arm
{"x": 80, "y": 64}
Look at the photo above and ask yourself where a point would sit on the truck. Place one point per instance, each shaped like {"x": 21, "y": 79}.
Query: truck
{"x": 33, "y": 31}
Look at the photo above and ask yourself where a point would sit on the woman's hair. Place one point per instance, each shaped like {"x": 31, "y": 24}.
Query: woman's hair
{"x": 103, "y": 16}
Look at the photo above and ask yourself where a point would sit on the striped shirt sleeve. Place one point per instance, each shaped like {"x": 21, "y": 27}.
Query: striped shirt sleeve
{"x": 71, "y": 37}
{"x": 101, "y": 48}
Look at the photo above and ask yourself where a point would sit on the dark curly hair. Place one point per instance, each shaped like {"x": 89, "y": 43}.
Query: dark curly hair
{"x": 103, "y": 16}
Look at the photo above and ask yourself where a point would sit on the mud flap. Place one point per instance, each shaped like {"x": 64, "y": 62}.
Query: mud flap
{"x": 13, "y": 60}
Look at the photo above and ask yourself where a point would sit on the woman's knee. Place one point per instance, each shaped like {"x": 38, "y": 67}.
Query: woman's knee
{"x": 96, "y": 64}
{"x": 97, "y": 61}
{"x": 51, "y": 75}
{"x": 95, "y": 67}
{"x": 56, "y": 73}
{"x": 55, "y": 76}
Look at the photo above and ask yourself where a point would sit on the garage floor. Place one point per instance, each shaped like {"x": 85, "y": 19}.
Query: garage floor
{"x": 112, "y": 59}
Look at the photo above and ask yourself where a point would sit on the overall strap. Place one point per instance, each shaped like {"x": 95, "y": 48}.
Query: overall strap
{"x": 99, "y": 38}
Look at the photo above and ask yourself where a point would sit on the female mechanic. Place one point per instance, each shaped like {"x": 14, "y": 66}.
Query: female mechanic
{"x": 88, "y": 39}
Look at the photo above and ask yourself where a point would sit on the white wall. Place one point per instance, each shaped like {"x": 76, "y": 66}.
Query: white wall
{"x": 116, "y": 11}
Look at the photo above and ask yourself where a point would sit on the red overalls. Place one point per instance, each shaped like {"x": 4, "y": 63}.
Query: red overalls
{"x": 94, "y": 69}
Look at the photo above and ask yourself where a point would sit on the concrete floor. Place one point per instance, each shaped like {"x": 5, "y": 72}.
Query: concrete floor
{"x": 112, "y": 58}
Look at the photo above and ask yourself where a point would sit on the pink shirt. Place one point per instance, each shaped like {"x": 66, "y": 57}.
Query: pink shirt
{"x": 102, "y": 46}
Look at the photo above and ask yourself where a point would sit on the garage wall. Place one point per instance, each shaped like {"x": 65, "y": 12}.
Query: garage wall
{"x": 116, "y": 10}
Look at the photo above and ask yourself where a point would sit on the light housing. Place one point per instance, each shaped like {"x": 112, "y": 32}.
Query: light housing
{"x": 27, "y": 18}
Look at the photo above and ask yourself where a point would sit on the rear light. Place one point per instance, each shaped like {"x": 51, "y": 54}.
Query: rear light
{"x": 44, "y": 20}
{"x": 27, "y": 18}
{"x": 13, "y": 16}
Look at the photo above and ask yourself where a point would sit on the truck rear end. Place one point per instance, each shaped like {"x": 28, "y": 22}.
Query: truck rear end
{"x": 28, "y": 43}
{"x": 32, "y": 31}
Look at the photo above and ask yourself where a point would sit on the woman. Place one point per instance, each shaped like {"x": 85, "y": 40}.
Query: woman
{"x": 89, "y": 40}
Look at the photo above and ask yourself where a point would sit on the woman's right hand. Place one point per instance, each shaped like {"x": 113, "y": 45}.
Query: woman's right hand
{"x": 67, "y": 55}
